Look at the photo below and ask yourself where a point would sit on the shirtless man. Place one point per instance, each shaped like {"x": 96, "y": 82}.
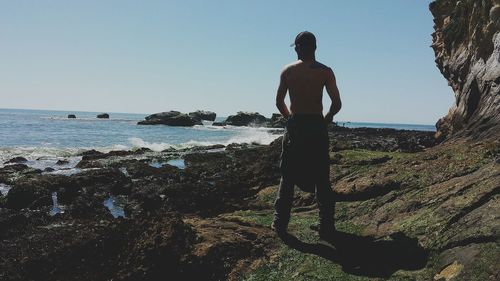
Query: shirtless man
{"x": 304, "y": 159}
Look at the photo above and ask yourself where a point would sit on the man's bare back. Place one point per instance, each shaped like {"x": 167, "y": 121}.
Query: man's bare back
{"x": 304, "y": 80}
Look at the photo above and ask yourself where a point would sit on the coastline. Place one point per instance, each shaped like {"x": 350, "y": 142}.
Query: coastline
{"x": 44, "y": 137}
{"x": 219, "y": 196}
{"x": 171, "y": 208}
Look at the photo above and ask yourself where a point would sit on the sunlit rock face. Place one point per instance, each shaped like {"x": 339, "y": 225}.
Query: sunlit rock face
{"x": 466, "y": 43}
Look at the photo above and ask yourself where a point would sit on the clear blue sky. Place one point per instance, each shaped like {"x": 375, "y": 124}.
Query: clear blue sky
{"x": 225, "y": 56}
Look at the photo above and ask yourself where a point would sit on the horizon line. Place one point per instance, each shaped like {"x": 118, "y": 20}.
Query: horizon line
{"x": 141, "y": 113}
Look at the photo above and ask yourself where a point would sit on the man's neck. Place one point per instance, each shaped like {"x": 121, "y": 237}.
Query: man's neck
{"x": 309, "y": 58}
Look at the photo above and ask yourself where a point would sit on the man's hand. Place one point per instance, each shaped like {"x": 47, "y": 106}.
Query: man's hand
{"x": 328, "y": 118}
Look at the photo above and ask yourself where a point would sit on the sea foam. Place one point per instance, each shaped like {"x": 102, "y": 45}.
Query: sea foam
{"x": 241, "y": 135}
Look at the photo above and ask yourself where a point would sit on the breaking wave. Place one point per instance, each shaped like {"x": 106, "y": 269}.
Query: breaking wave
{"x": 242, "y": 135}
{"x": 42, "y": 156}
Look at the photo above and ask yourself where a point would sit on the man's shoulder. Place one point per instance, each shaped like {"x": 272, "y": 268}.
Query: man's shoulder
{"x": 298, "y": 64}
{"x": 318, "y": 65}
{"x": 291, "y": 65}
{"x": 286, "y": 69}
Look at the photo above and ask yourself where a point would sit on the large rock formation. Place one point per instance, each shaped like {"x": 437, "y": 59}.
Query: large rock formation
{"x": 18, "y": 159}
{"x": 244, "y": 119}
{"x": 203, "y": 115}
{"x": 170, "y": 118}
{"x": 277, "y": 121}
{"x": 466, "y": 43}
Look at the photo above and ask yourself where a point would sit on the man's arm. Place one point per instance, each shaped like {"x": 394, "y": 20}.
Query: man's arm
{"x": 333, "y": 92}
{"x": 280, "y": 96}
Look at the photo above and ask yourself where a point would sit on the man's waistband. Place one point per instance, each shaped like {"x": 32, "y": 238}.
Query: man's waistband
{"x": 306, "y": 117}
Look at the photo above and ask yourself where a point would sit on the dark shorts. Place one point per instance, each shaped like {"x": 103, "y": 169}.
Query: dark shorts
{"x": 304, "y": 158}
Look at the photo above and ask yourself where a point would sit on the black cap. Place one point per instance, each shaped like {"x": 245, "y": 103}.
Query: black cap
{"x": 305, "y": 38}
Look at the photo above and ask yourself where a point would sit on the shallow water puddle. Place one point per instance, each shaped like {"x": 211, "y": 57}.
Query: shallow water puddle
{"x": 4, "y": 189}
{"x": 56, "y": 208}
{"x": 115, "y": 205}
{"x": 66, "y": 172}
{"x": 179, "y": 163}
{"x": 156, "y": 164}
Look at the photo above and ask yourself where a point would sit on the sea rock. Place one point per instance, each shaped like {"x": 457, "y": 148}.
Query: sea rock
{"x": 90, "y": 154}
{"x": 380, "y": 139}
{"x": 13, "y": 168}
{"x": 92, "y": 183}
{"x": 466, "y": 43}
{"x": 86, "y": 207}
{"x": 103, "y": 116}
{"x": 203, "y": 115}
{"x": 140, "y": 169}
{"x": 71, "y": 116}
{"x": 218, "y": 124}
{"x": 18, "y": 159}
{"x": 246, "y": 119}
{"x": 25, "y": 193}
{"x": 277, "y": 121}
{"x": 9, "y": 174}
{"x": 170, "y": 118}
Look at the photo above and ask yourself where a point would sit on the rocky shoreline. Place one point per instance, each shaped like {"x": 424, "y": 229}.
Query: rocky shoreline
{"x": 206, "y": 216}
{"x": 178, "y": 219}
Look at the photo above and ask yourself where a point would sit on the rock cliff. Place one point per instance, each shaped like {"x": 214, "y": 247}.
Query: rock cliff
{"x": 466, "y": 43}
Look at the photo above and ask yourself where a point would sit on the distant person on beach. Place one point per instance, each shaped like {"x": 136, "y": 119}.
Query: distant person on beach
{"x": 305, "y": 159}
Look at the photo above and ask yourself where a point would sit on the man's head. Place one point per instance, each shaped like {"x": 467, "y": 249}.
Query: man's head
{"x": 305, "y": 44}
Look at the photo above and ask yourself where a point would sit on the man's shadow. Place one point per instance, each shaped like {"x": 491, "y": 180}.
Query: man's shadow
{"x": 365, "y": 255}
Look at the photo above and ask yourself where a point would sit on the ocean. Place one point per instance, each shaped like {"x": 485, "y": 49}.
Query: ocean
{"x": 45, "y": 136}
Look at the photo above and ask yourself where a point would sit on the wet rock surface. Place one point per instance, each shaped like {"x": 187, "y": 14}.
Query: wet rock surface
{"x": 380, "y": 139}
{"x": 194, "y": 222}
{"x": 203, "y": 115}
{"x": 244, "y": 119}
{"x": 16, "y": 160}
{"x": 171, "y": 118}
{"x": 253, "y": 119}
